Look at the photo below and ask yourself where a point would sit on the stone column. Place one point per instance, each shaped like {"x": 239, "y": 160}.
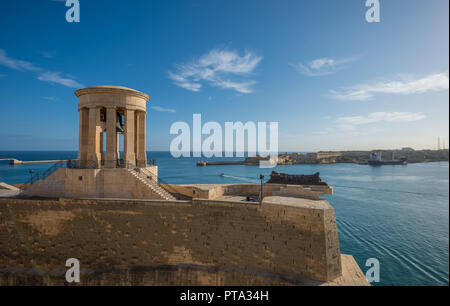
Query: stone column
{"x": 83, "y": 134}
{"x": 140, "y": 139}
{"x": 129, "y": 155}
{"x": 111, "y": 138}
{"x": 102, "y": 149}
{"x": 93, "y": 154}
{"x": 117, "y": 146}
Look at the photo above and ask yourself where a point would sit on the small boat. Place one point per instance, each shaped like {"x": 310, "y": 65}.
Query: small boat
{"x": 201, "y": 163}
{"x": 222, "y": 174}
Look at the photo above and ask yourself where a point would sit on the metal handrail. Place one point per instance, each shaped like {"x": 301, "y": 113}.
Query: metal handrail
{"x": 84, "y": 164}
{"x": 89, "y": 164}
{"x": 147, "y": 175}
{"x": 167, "y": 187}
{"x": 36, "y": 177}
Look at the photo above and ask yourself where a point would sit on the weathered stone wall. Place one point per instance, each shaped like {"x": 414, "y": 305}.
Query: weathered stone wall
{"x": 200, "y": 242}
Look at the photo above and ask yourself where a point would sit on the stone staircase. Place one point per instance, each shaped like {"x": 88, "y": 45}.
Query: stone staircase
{"x": 152, "y": 184}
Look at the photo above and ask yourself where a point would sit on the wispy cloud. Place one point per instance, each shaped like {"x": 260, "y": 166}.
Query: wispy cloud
{"x": 350, "y": 123}
{"x": 2, "y": 75}
{"x": 217, "y": 68}
{"x": 51, "y": 98}
{"x": 322, "y": 66}
{"x": 42, "y": 74}
{"x": 323, "y": 132}
{"x": 16, "y": 64}
{"x": 184, "y": 82}
{"x": 162, "y": 109}
{"x": 48, "y": 54}
{"x": 405, "y": 86}
{"x": 56, "y": 78}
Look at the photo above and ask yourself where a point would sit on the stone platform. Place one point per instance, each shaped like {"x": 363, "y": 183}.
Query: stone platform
{"x": 132, "y": 183}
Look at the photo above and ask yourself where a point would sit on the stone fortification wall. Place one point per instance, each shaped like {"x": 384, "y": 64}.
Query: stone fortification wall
{"x": 282, "y": 241}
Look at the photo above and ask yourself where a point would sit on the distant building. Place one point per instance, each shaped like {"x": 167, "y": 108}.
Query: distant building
{"x": 408, "y": 149}
{"x": 375, "y": 156}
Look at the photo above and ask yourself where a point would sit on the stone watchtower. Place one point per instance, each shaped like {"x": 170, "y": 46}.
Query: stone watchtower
{"x": 100, "y": 171}
{"x": 106, "y": 112}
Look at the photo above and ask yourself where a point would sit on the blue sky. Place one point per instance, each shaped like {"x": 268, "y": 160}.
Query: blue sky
{"x": 331, "y": 80}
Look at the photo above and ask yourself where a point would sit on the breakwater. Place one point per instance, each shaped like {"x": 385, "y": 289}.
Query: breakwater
{"x": 13, "y": 161}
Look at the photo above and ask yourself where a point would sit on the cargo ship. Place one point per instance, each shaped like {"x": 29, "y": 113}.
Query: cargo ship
{"x": 376, "y": 160}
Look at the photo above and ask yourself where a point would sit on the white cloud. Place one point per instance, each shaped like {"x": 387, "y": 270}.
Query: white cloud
{"x": 322, "y": 66}
{"x": 405, "y": 86}
{"x": 184, "y": 82}
{"x": 350, "y": 123}
{"x": 322, "y": 132}
{"x": 48, "y": 55}
{"x": 51, "y": 98}
{"x": 43, "y": 75}
{"x": 16, "y": 64}
{"x": 162, "y": 109}
{"x": 217, "y": 68}
{"x": 2, "y": 75}
{"x": 55, "y": 77}
{"x": 243, "y": 87}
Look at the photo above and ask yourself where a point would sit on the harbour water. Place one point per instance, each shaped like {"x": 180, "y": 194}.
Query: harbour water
{"x": 396, "y": 214}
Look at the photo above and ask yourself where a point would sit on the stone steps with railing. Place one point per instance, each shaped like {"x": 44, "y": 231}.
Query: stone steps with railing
{"x": 42, "y": 176}
{"x": 146, "y": 178}
{"x": 162, "y": 184}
